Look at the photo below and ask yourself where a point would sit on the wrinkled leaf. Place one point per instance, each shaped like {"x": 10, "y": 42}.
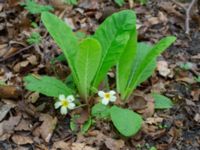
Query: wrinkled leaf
{"x": 126, "y": 121}
{"x": 113, "y": 35}
{"x": 144, "y": 63}
{"x": 49, "y": 86}
{"x": 161, "y": 102}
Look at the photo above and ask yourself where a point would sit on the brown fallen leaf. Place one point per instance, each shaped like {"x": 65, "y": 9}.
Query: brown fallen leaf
{"x": 81, "y": 146}
{"x": 32, "y": 59}
{"x": 9, "y": 91}
{"x": 33, "y": 97}
{"x": 47, "y": 127}
{"x": 197, "y": 117}
{"x": 196, "y": 95}
{"x": 154, "y": 120}
{"x": 162, "y": 67}
{"x": 114, "y": 144}
{"x": 139, "y": 102}
{"x": 24, "y": 125}
{"x": 4, "y": 109}
{"x": 62, "y": 145}
{"x": 20, "y": 65}
{"x": 9, "y": 125}
{"x": 21, "y": 139}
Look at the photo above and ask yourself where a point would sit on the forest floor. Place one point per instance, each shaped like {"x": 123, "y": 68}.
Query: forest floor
{"x": 28, "y": 120}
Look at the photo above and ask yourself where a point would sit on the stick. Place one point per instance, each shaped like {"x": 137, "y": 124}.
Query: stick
{"x": 187, "y": 21}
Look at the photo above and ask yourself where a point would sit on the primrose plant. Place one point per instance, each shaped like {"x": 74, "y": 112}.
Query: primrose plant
{"x": 113, "y": 44}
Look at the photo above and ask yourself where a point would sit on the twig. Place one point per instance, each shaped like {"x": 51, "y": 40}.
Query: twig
{"x": 187, "y": 21}
{"x": 178, "y": 4}
{"x": 21, "y": 50}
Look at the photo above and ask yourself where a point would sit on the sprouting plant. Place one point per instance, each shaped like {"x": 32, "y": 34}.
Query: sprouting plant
{"x": 119, "y": 2}
{"x": 34, "y": 38}
{"x": 122, "y": 2}
{"x": 35, "y": 8}
{"x": 113, "y": 44}
{"x": 186, "y": 66}
{"x": 197, "y": 79}
{"x": 71, "y": 2}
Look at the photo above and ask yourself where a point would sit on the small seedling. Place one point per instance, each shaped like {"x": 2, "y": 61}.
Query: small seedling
{"x": 186, "y": 66}
{"x": 34, "y": 38}
{"x": 113, "y": 44}
{"x": 198, "y": 79}
{"x": 122, "y": 2}
{"x": 35, "y": 8}
{"x": 71, "y": 2}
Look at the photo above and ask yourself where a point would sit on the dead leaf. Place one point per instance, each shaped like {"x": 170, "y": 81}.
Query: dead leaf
{"x": 162, "y": 67}
{"x": 47, "y": 127}
{"x": 61, "y": 145}
{"x": 139, "y": 102}
{"x": 114, "y": 144}
{"x": 197, "y": 117}
{"x": 81, "y": 146}
{"x": 20, "y": 65}
{"x": 22, "y": 139}
{"x": 24, "y": 125}
{"x": 10, "y": 91}
{"x": 33, "y": 97}
{"x": 5, "y": 136}
{"x": 4, "y": 109}
{"x": 154, "y": 120}
{"x": 196, "y": 95}
{"x": 33, "y": 60}
{"x": 9, "y": 125}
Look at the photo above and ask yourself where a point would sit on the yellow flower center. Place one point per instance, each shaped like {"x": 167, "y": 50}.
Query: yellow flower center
{"x": 65, "y": 103}
{"x": 107, "y": 96}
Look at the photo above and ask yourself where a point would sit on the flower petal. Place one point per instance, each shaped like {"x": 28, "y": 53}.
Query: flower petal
{"x": 104, "y": 101}
{"x": 57, "y": 105}
{"x": 70, "y": 98}
{"x": 63, "y": 110}
{"x": 61, "y": 97}
{"x": 112, "y": 92}
{"x": 113, "y": 98}
{"x": 71, "y": 106}
{"x": 101, "y": 93}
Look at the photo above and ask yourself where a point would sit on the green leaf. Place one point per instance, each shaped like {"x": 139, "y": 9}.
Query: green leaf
{"x": 64, "y": 37}
{"x": 73, "y": 123}
{"x": 87, "y": 62}
{"x": 100, "y": 111}
{"x": 34, "y": 38}
{"x": 35, "y": 8}
{"x": 71, "y": 2}
{"x": 197, "y": 79}
{"x": 126, "y": 60}
{"x": 161, "y": 102}
{"x": 46, "y": 85}
{"x": 2, "y": 82}
{"x": 119, "y": 2}
{"x": 127, "y": 122}
{"x": 86, "y": 126}
{"x": 113, "y": 35}
{"x": 186, "y": 66}
{"x": 143, "y": 63}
